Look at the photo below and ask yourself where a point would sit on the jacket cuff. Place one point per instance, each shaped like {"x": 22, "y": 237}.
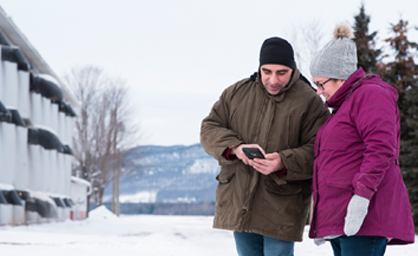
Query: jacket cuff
{"x": 281, "y": 172}
{"x": 228, "y": 156}
{"x": 362, "y": 191}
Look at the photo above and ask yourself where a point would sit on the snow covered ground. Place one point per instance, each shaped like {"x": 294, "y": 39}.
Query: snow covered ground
{"x": 105, "y": 234}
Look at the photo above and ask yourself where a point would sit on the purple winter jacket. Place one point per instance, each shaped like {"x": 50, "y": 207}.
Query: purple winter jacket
{"x": 357, "y": 152}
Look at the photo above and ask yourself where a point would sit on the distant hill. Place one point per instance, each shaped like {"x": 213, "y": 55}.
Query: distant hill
{"x": 167, "y": 174}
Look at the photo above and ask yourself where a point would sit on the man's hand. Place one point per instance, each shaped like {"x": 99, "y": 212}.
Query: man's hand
{"x": 270, "y": 164}
{"x": 241, "y": 155}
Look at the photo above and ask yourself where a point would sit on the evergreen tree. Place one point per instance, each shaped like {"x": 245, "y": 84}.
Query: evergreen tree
{"x": 367, "y": 55}
{"x": 402, "y": 73}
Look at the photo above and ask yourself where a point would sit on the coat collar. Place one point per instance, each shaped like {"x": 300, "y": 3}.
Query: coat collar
{"x": 346, "y": 89}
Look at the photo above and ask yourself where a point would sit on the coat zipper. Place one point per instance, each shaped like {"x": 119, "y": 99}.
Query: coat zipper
{"x": 247, "y": 193}
{"x": 316, "y": 192}
{"x": 257, "y": 130}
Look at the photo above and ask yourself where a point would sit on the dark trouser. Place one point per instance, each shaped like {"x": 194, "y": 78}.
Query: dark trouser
{"x": 359, "y": 245}
{"x": 251, "y": 244}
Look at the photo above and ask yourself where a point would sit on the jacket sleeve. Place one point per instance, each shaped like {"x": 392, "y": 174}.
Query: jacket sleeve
{"x": 376, "y": 116}
{"x": 299, "y": 161}
{"x": 215, "y": 135}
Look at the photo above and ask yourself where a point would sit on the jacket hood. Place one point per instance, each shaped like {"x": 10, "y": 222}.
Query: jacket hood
{"x": 355, "y": 81}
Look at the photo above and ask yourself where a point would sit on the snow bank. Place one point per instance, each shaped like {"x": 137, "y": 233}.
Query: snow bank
{"x": 102, "y": 213}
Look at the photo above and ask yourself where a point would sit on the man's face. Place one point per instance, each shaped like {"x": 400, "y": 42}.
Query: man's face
{"x": 275, "y": 77}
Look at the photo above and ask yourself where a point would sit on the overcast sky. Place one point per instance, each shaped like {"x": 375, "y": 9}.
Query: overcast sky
{"x": 178, "y": 56}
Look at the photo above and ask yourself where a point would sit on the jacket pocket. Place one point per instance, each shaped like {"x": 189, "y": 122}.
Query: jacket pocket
{"x": 225, "y": 175}
{"x": 285, "y": 189}
{"x": 225, "y": 190}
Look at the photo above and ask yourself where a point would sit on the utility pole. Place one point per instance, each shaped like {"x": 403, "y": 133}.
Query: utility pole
{"x": 84, "y": 173}
{"x": 115, "y": 192}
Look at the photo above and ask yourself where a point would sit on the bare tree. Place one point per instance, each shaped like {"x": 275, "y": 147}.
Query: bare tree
{"x": 306, "y": 41}
{"x": 104, "y": 129}
{"x": 314, "y": 36}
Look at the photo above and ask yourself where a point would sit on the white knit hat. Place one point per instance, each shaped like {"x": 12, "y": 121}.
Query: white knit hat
{"x": 338, "y": 58}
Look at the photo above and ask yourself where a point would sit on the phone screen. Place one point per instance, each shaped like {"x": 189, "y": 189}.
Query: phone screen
{"x": 252, "y": 153}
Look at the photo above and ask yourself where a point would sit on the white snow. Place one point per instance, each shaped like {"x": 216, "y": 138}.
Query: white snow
{"x": 105, "y": 234}
{"x": 6, "y": 186}
{"x": 43, "y": 197}
{"x": 46, "y": 128}
{"x": 140, "y": 197}
{"x": 81, "y": 181}
{"x": 49, "y": 78}
{"x": 204, "y": 166}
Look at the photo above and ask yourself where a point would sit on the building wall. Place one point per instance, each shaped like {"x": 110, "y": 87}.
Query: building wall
{"x": 36, "y": 123}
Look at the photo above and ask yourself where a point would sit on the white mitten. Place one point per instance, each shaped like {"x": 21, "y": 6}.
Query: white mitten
{"x": 356, "y": 212}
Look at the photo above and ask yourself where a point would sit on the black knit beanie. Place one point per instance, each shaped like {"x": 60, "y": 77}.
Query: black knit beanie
{"x": 276, "y": 50}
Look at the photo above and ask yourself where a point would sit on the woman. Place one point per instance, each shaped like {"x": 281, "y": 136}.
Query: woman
{"x": 360, "y": 201}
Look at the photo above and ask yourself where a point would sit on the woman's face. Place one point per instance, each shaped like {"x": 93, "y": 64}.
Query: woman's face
{"x": 326, "y": 86}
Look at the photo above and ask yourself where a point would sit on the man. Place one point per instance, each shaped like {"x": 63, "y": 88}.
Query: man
{"x": 265, "y": 201}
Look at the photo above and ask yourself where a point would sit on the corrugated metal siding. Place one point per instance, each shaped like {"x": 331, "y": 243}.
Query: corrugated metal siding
{"x": 44, "y": 174}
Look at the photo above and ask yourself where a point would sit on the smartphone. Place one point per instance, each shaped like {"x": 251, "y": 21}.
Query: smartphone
{"x": 252, "y": 153}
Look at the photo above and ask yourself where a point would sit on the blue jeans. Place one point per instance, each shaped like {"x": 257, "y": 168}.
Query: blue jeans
{"x": 359, "y": 245}
{"x": 251, "y": 244}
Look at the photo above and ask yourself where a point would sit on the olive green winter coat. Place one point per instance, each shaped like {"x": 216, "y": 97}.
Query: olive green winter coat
{"x": 287, "y": 123}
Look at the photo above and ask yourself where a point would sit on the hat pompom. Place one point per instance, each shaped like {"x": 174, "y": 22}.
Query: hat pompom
{"x": 343, "y": 30}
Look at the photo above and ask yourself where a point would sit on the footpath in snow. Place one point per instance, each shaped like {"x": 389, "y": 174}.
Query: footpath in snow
{"x": 105, "y": 234}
